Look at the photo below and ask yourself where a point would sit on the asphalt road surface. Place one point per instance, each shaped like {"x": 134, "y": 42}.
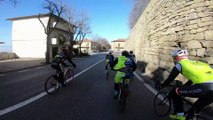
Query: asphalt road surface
{"x": 88, "y": 97}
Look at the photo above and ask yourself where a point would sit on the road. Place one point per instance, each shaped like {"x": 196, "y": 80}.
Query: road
{"x": 89, "y": 97}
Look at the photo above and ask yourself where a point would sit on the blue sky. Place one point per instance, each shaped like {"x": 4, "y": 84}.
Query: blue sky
{"x": 108, "y": 18}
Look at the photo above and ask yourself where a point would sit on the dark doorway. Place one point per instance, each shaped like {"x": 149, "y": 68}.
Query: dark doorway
{"x": 54, "y": 51}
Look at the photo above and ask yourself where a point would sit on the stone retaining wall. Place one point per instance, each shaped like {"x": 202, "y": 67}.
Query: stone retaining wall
{"x": 166, "y": 25}
{"x": 6, "y": 55}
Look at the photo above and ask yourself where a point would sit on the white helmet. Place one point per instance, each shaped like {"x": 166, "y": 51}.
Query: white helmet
{"x": 179, "y": 53}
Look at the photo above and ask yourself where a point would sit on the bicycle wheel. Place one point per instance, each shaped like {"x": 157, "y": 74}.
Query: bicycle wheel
{"x": 51, "y": 85}
{"x": 122, "y": 102}
{"x": 161, "y": 104}
{"x": 69, "y": 75}
{"x": 107, "y": 72}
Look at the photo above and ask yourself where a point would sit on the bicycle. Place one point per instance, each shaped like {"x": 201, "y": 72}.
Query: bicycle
{"x": 107, "y": 72}
{"x": 52, "y": 83}
{"x": 123, "y": 95}
{"x": 163, "y": 104}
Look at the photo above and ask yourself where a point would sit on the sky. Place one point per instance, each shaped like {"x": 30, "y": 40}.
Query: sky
{"x": 108, "y": 18}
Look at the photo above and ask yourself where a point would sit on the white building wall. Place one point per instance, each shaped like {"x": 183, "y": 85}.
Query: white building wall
{"x": 29, "y": 38}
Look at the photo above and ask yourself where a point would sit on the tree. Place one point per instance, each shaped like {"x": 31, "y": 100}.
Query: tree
{"x": 55, "y": 10}
{"x": 103, "y": 43}
{"x": 82, "y": 29}
{"x": 70, "y": 17}
{"x": 13, "y": 2}
{"x": 137, "y": 10}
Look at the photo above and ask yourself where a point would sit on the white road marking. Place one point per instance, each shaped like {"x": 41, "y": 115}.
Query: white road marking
{"x": 39, "y": 67}
{"x": 147, "y": 85}
{"x": 30, "y": 100}
{"x": 24, "y": 70}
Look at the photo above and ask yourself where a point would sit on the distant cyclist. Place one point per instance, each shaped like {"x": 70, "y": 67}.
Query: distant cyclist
{"x": 109, "y": 60}
{"x": 200, "y": 84}
{"x": 124, "y": 66}
{"x": 58, "y": 62}
{"x": 132, "y": 55}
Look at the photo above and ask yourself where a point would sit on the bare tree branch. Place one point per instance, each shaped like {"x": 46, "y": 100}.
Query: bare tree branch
{"x": 13, "y": 2}
{"x": 137, "y": 10}
{"x": 55, "y": 10}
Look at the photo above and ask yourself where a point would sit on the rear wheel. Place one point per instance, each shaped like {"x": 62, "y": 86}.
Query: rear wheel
{"x": 161, "y": 104}
{"x": 51, "y": 85}
{"x": 107, "y": 72}
{"x": 122, "y": 102}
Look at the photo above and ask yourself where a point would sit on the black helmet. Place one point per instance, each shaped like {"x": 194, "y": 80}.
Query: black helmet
{"x": 125, "y": 53}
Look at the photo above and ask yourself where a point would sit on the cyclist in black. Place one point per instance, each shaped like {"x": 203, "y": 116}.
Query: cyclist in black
{"x": 200, "y": 84}
{"x": 59, "y": 61}
{"x": 109, "y": 60}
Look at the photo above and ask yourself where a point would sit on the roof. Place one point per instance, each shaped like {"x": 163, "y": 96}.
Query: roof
{"x": 119, "y": 40}
{"x": 87, "y": 40}
{"x": 27, "y": 17}
{"x": 36, "y": 16}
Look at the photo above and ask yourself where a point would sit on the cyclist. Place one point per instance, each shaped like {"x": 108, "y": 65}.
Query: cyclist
{"x": 109, "y": 60}
{"x": 132, "y": 58}
{"x": 200, "y": 84}
{"x": 65, "y": 54}
{"x": 123, "y": 65}
{"x": 132, "y": 55}
{"x": 59, "y": 60}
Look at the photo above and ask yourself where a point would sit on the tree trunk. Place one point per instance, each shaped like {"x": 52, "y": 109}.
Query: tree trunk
{"x": 48, "y": 49}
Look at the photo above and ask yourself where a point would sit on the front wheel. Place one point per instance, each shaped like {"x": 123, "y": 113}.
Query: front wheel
{"x": 161, "y": 104}
{"x": 69, "y": 75}
{"x": 51, "y": 85}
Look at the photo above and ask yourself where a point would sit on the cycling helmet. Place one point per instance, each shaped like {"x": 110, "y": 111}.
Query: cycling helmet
{"x": 179, "y": 53}
{"x": 125, "y": 53}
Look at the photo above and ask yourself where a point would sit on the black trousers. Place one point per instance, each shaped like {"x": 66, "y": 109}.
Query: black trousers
{"x": 204, "y": 93}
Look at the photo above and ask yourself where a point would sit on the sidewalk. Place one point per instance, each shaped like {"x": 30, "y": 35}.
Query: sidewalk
{"x": 12, "y": 65}
{"x": 20, "y": 64}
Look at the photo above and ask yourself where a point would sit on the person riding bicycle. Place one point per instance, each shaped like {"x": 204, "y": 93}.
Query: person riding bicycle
{"x": 199, "y": 84}
{"x": 132, "y": 55}
{"x": 109, "y": 60}
{"x": 124, "y": 66}
{"x": 59, "y": 60}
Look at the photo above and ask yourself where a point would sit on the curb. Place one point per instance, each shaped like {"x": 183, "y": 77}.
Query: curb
{"x": 24, "y": 68}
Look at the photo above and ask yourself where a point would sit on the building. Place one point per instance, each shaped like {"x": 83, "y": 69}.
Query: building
{"x": 29, "y": 38}
{"x": 118, "y": 45}
{"x": 88, "y": 46}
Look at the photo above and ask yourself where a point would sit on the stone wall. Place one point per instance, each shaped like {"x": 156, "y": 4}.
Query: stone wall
{"x": 166, "y": 25}
{"x": 6, "y": 56}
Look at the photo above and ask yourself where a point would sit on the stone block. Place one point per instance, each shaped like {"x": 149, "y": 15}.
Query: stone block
{"x": 209, "y": 53}
{"x": 201, "y": 52}
{"x": 194, "y": 44}
{"x": 198, "y": 36}
{"x": 192, "y": 16}
{"x": 208, "y": 35}
{"x": 209, "y": 60}
{"x": 207, "y": 44}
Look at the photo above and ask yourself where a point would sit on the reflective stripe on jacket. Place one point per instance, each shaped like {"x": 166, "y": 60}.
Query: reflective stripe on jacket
{"x": 196, "y": 71}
